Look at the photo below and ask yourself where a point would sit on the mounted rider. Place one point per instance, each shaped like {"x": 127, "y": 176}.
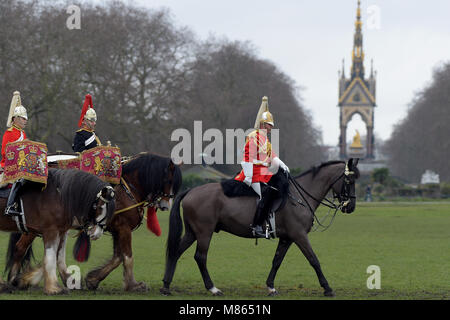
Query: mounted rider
{"x": 260, "y": 162}
{"x": 16, "y": 123}
{"x": 85, "y": 138}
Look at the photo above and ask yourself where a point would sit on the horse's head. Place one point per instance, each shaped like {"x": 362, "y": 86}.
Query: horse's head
{"x": 156, "y": 179}
{"x": 103, "y": 210}
{"x": 171, "y": 185}
{"x": 344, "y": 187}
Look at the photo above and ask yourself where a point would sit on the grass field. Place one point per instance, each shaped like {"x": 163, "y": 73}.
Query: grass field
{"x": 410, "y": 242}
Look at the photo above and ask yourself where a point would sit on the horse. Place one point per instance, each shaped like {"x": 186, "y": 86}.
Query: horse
{"x": 147, "y": 180}
{"x": 206, "y": 209}
{"x": 70, "y": 199}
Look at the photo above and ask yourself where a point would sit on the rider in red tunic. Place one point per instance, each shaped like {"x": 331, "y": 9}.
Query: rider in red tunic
{"x": 13, "y": 134}
{"x": 260, "y": 162}
{"x": 17, "y": 121}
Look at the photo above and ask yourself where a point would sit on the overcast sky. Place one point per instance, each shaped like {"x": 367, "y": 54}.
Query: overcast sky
{"x": 307, "y": 40}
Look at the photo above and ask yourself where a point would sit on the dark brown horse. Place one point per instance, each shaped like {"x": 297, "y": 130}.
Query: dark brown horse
{"x": 71, "y": 198}
{"x": 206, "y": 209}
{"x": 147, "y": 179}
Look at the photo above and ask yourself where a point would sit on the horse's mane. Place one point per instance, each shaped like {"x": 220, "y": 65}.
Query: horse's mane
{"x": 78, "y": 190}
{"x": 315, "y": 169}
{"x": 152, "y": 170}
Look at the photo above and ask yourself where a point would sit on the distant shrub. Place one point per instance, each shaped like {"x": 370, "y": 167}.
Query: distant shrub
{"x": 193, "y": 180}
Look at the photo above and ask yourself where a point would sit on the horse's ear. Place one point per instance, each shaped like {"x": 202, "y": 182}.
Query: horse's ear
{"x": 350, "y": 163}
{"x": 353, "y": 162}
{"x": 108, "y": 192}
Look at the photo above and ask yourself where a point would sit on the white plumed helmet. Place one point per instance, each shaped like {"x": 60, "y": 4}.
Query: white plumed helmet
{"x": 16, "y": 109}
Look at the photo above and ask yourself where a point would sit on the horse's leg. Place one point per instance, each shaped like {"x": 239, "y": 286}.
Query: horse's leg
{"x": 20, "y": 250}
{"x": 305, "y": 246}
{"x": 62, "y": 267}
{"x": 186, "y": 241}
{"x": 283, "y": 246}
{"x": 30, "y": 278}
{"x": 51, "y": 243}
{"x": 200, "y": 257}
{"x": 130, "y": 283}
{"x": 94, "y": 277}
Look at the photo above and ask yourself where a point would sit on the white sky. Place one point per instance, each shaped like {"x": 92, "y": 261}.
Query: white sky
{"x": 307, "y": 40}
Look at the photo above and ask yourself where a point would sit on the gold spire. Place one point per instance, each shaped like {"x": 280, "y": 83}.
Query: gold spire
{"x": 358, "y": 53}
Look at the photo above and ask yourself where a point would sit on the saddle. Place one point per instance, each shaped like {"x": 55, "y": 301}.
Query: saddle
{"x": 4, "y": 192}
{"x": 274, "y": 194}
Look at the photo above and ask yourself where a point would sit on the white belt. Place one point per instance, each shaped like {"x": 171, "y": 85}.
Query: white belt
{"x": 259, "y": 162}
{"x": 90, "y": 140}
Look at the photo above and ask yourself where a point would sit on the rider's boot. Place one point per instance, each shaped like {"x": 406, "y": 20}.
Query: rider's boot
{"x": 258, "y": 230}
{"x": 12, "y": 206}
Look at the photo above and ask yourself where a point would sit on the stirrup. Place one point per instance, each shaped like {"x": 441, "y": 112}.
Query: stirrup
{"x": 259, "y": 232}
{"x": 11, "y": 211}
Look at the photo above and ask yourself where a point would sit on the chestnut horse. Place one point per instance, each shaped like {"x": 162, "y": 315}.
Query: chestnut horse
{"x": 71, "y": 198}
{"x": 206, "y": 209}
{"x": 147, "y": 179}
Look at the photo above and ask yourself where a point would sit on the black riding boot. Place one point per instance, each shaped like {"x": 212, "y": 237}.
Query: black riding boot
{"x": 257, "y": 228}
{"x": 13, "y": 206}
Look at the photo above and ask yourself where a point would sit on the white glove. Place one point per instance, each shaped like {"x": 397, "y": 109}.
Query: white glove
{"x": 248, "y": 172}
{"x": 278, "y": 163}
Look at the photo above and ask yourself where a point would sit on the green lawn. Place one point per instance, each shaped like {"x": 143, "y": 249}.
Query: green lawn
{"x": 410, "y": 242}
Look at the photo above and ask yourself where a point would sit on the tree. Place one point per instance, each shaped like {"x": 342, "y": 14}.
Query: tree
{"x": 420, "y": 141}
{"x": 147, "y": 78}
{"x": 380, "y": 175}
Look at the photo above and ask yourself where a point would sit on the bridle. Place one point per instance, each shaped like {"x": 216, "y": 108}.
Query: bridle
{"x": 151, "y": 200}
{"x": 101, "y": 219}
{"x": 344, "y": 197}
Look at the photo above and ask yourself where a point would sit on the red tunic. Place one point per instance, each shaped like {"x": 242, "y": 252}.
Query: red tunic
{"x": 12, "y": 134}
{"x": 258, "y": 150}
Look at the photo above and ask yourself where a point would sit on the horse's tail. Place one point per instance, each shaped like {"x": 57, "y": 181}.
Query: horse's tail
{"x": 26, "y": 260}
{"x": 82, "y": 247}
{"x": 175, "y": 226}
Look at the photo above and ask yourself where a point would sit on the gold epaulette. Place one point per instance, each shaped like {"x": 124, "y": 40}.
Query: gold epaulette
{"x": 14, "y": 127}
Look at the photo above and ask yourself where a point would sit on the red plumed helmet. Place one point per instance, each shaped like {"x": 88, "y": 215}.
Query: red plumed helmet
{"x": 86, "y": 106}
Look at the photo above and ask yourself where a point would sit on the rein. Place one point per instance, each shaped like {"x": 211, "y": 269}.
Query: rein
{"x": 144, "y": 203}
{"x": 127, "y": 188}
{"x": 330, "y": 204}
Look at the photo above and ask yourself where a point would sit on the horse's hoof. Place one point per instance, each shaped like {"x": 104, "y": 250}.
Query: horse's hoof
{"x": 165, "y": 291}
{"x": 329, "y": 293}
{"x": 138, "y": 287}
{"x": 56, "y": 291}
{"x": 216, "y": 292}
{"x": 272, "y": 292}
{"x": 91, "y": 284}
{"x": 6, "y": 288}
